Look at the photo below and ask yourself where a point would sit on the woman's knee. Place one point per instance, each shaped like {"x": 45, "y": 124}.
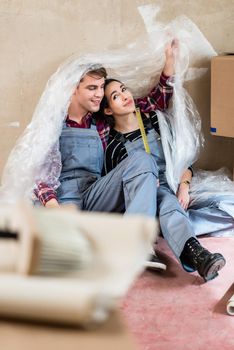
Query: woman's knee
{"x": 143, "y": 162}
{"x": 171, "y": 207}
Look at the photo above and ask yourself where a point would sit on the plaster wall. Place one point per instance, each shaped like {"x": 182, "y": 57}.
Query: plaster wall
{"x": 37, "y": 35}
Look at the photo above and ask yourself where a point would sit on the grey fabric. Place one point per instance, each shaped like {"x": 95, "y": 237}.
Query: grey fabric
{"x": 124, "y": 187}
{"x": 175, "y": 225}
{"x": 174, "y": 221}
{"x": 82, "y": 160}
{"x": 132, "y": 182}
{"x": 213, "y": 216}
{"x": 208, "y": 216}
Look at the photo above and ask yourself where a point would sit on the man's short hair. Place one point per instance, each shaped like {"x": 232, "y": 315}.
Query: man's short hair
{"x": 97, "y": 72}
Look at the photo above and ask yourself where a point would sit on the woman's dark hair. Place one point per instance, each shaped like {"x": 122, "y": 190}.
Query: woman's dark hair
{"x": 104, "y": 104}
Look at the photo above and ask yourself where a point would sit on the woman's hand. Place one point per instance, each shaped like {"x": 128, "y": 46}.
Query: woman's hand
{"x": 183, "y": 195}
{"x": 170, "y": 48}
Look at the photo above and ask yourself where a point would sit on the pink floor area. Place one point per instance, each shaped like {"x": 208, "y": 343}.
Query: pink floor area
{"x": 177, "y": 310}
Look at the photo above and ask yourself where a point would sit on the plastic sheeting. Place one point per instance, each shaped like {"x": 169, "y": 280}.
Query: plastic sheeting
{"x": 206, "y": 184}
{"x": 36, "y": 155}
{"x": 211, "y": 207}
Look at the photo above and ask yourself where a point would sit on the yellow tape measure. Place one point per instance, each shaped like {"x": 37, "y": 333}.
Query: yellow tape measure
{"x": 142, "y": 129}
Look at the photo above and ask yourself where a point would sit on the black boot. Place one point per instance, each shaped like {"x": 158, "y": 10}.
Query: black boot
{"x": 207, "y": 264}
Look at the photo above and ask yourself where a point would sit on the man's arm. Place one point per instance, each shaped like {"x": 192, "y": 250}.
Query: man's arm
{"x": 52, "y": 203}
{"x": 47, "y": 180}
{"x": 46, "y": 195}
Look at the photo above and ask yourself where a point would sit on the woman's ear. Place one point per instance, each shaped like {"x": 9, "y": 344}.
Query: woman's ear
{"x": 108, "y": 111}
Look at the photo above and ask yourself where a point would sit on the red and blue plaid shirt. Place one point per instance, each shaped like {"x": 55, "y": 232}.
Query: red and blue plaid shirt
{"x": 158, "y": 99}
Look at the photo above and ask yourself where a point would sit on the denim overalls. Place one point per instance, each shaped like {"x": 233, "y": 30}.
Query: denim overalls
{"x": 82, "y": 160}
{"x": 126, "y": 186}
{"x": 175, "y": 222}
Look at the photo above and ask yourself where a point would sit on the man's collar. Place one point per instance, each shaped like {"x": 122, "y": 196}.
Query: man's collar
{"x": 83, "y": 120}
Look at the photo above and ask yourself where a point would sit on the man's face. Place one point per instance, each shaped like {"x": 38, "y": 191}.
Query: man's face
{"x": 90, "y": 92}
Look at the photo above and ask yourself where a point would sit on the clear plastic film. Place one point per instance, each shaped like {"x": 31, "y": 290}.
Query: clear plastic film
{"x": 36, "y": 155}
{"x": 211, "y": 207}
{"x": 213, "y": 185}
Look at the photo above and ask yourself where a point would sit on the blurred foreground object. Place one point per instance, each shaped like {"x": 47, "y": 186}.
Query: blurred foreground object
{"x": 68, "y": 267}
{"x": 230, "y": 306}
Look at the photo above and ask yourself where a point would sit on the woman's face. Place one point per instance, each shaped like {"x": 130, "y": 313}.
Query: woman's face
{"x": 119, "y": 98}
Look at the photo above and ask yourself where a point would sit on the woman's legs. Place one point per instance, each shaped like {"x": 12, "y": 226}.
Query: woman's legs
{"x": 179, "y": 234}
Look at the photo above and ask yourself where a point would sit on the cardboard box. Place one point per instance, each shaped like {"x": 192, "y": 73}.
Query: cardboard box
{"x": 222, "y": 96}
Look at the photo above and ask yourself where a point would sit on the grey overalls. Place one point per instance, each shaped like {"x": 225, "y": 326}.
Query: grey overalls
{"x": 174, "y": 222}
{"x": 81, "y": 182}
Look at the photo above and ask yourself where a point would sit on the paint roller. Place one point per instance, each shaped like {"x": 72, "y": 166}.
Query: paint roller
{"x": 41, "y": 242}
{"x": 86, "y": 297}
{"x": 230, "y": 306}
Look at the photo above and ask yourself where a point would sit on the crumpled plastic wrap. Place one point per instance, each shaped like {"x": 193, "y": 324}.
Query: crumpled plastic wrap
{"x": 211, "y": 207}
{"x": 206, "y": 184}
{"x": 36, "y": 156}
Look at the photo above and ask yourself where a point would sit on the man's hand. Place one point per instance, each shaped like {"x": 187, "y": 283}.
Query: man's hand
{"x": 170, "y": 49}
{"x": 52, "y": 203}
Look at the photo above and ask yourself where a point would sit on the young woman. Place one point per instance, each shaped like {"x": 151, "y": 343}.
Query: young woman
{"x": 125, "y": 137}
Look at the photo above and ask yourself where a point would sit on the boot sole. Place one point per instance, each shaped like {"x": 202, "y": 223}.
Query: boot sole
{"x": 213, "y": 269}
{"x": 150, "y": 265}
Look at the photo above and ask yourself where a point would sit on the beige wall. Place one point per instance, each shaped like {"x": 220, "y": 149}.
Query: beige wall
{"x": 37, "y": 35}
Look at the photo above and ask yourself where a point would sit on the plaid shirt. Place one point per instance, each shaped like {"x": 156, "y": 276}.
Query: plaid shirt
{"x": 158, "y": 99}
{"x": 44, "y": 192}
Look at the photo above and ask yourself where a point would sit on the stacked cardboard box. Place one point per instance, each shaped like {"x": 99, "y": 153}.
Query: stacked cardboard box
{"x": 222, "y": 96}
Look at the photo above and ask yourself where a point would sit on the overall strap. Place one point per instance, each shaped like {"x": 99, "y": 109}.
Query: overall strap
{"x": 123, "y": 139}
{"x": 147, "y": 121}
{"x": 64, "y": 124}
{"x": 120, "y": 137}
{"x": 153, "y": 114}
